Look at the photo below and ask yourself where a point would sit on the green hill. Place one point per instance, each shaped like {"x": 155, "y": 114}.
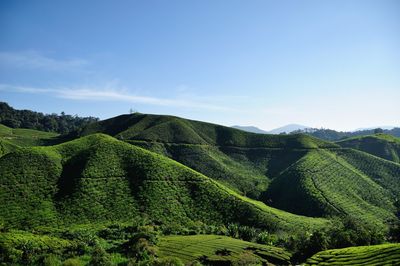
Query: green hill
{"x": 296, "y": 173}
{"x": 323, "y": 183}
{"x": 98, "y": 178}
{"x": 26, "y": 137}
{"x": 386, "y": 254}
{"x": 244, "y": 161}
{"x": 381, "y": 145}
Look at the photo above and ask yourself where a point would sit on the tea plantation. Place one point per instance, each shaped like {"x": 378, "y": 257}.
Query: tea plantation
{"x": 161, "y": 190}
{"x": 386, "y": 254}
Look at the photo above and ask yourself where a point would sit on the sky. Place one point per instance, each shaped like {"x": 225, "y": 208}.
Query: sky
{"x": 331, "y": 64}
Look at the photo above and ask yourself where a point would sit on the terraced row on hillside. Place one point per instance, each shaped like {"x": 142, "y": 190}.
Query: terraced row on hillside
{"x": 386, "y": 254}
{"x": 221, "y": 250}
{"x": 98, "y": 178}
{"x": 323, "y": 183}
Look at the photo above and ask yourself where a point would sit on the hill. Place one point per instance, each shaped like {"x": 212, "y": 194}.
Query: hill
{"x": 98, "y": 178}
{"x": 380, "y": 145}
{"x": 241, "y": 160}
{"x": 296, "y": 173}
{"x": 386, "y": 254}
{"x": 324, "y": 183}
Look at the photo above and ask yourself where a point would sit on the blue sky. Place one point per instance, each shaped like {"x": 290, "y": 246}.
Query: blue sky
{"x": 333, "y": 64}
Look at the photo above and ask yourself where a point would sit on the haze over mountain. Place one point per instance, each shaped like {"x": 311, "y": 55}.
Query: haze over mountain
{"x": 251, "y": 129}
{"x": 287, "y": 129}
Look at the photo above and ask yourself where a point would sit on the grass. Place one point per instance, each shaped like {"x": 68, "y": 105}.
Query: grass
{"x": 219, "y": 249}
{"x": 26, "y": 137}
{"x": 386, "y": 254}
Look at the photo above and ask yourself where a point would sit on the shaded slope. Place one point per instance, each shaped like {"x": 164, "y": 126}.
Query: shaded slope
{"x": 386, "y": 254}
{"x": 380, "y": 145}
{"x": 322, "y": 183}
{"x": 98, "y": 178}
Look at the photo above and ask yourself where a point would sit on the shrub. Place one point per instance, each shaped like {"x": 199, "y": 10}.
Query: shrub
{"x": 51, "y": 260}
{"x": 100, "y": 257}
{"x": 72, "y": 262}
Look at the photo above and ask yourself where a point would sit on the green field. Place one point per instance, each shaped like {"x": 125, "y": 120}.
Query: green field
{"x": 208, "y": 248}
{"x": 386, "y": 254}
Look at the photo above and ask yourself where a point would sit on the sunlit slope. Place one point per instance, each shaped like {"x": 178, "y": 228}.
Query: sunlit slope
{"x": 7, "y": 147}
{"x": 381, "y": 145}
{"x": 220, "y": 250}
{"x": 241, "y": 160}
{"x": 171, "y": 129}
{"x": 322, "y": 183}
{"x": 98, "y": 178}
{"x": 26, "y": 137}
{"x": 386, "y": 254}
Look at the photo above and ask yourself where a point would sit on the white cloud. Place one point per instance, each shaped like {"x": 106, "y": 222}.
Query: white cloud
{"x": 109, "y": 93}
{"x": 36, "y": 60}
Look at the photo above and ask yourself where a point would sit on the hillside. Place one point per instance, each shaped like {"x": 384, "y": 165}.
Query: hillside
{"x": 296, "y": 173}
{"x": 26, "y": 137}
{"x": 98, "y": 178}
{"x": 243, "y": 161}
{"x": 387, "y": 254}
{"x": 323, "y": 183}
{"x": 380, "y": 145}
{"x": 213, "y": 249}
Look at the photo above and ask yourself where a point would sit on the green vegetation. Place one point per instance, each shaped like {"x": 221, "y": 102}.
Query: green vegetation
{"x": 386, "y": 254}
{"x": 321, "y": 183}
{"x": 98, "y": 178}
{"x": 25, "y": 137}
{"x": 213, "y": 249}
{"x": 162, "y": 190}
{"x": 381, "y": 145}
{"x": 62, "y": 124}
{"x": 333, "y": 135}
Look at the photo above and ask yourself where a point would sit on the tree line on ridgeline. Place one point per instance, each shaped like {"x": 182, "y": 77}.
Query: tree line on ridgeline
{"x": 60, "y": 123}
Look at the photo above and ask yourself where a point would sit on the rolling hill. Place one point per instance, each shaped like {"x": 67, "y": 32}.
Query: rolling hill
{"x": 380, "y": 145}
{"x": 296, "y": 173}
{"x": 98, "y": 178}
{"x": 180, "y": 172}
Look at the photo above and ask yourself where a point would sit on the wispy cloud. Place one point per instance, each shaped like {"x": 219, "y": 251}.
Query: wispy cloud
{"x": 36, "y": 60}
{"x": 109, "y": 93}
